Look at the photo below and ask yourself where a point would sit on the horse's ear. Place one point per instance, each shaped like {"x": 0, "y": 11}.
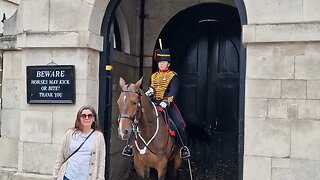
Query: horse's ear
{"x": 138, "y": 84}
{"x": 122, "y": 82}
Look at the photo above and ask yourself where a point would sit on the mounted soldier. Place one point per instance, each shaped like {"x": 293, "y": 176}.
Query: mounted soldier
{"x": 163, "y": 91}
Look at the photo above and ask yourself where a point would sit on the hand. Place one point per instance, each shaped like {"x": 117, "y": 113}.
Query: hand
{"x": 150, "y": 92}
{"x": 163, "y": 104}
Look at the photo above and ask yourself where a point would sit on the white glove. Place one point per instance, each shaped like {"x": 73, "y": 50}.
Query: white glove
{"x": 150, "y": 92}
{"x": 163, "y": 104}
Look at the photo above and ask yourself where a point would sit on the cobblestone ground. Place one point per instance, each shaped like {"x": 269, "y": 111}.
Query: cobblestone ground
{"x": 219, "y": 171}
{"x": 183, "y": 174}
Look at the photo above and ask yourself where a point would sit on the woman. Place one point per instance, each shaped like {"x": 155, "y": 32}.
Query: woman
{"x": 88, "y": 163}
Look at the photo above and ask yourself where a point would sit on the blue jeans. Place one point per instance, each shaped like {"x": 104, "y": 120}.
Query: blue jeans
{"x": 65, "y": 178}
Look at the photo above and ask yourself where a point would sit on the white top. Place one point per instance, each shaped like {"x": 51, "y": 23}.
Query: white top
{"x": 78, "y": 165}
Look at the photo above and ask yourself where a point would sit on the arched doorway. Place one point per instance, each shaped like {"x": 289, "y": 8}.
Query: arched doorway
{"x": 184, "y": 34}
{"x": 205, "y": 46}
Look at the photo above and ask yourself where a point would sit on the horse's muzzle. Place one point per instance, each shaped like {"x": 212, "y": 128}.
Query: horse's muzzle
{"x": 124, "y": 134}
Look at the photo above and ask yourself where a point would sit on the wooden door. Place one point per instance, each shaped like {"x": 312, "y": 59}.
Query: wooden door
{"x": 208, "y": 69}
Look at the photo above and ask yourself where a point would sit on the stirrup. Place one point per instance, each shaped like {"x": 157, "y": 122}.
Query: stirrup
{"x": 127, "y": 151}
{"x": 186, "y": 153}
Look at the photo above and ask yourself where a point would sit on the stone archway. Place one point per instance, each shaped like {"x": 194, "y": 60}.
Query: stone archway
{"x": 205, "y": 43}
{"x": 106, "y": 84}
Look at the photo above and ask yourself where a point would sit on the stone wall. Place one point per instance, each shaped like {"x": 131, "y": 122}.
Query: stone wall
{"x": 31, "y": 133}
{"x": 282, "y": 97}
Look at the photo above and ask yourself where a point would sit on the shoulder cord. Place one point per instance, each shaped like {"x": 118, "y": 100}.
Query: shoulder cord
{"x": 78, "y": 147}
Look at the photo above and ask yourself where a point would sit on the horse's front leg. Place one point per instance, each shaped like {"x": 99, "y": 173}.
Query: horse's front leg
{"x": 162, "y": 171}
{"x": 139, "y": 166}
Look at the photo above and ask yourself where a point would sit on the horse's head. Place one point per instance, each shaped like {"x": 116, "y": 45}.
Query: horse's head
{"x": 129, "y": 103}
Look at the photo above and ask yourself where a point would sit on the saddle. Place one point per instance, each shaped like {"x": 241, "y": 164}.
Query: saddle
{"x": 169, "y": 123}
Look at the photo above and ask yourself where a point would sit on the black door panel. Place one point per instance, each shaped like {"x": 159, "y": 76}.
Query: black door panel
{"x": 208, "y": 99}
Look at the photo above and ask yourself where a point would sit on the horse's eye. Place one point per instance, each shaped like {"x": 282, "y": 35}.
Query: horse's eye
{"x": 134, "y": 103}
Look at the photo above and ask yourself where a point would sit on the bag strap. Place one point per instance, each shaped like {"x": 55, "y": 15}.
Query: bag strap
{"x": 78, "y": 147}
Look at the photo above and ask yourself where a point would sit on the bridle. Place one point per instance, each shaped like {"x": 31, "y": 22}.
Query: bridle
{"x": 135, "y": 122}
{"x": 135, "y": 118}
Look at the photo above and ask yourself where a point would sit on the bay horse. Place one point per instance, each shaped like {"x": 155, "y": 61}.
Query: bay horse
{"x": 139, "y": 118}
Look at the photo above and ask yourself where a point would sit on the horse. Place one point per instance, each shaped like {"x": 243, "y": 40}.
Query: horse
{"x": 153, "y": 146}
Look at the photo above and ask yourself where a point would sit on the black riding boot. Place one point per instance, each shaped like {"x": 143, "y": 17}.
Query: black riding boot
{"x": 184, "y": 151}
{"x": 127, "y": 151}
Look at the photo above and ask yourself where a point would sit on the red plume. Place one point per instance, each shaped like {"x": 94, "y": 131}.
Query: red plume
{"x": 155, "y": 55}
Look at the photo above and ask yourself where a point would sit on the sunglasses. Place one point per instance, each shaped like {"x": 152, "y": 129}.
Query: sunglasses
{"x": 84, "y": 116}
